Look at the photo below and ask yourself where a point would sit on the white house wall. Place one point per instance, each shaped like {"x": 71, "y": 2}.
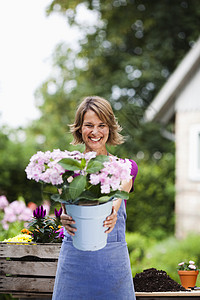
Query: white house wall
{"x": 187, "y": 202}
{"x": 189, "y": 97}
{"x": 187, "y": 107}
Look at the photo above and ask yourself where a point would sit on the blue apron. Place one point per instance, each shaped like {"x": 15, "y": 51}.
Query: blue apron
{"x": 104, "y": 274}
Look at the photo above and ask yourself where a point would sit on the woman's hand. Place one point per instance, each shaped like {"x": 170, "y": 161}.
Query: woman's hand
{"x": 67, "y": 221}
{"x": 111, "y": 221}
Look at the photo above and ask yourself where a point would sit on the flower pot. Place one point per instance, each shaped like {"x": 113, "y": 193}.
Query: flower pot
{"x": 90, "y": 234}
{"x": 188, "y": 278}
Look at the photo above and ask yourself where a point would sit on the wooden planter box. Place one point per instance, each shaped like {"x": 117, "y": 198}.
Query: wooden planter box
{"x": 28, "y": 270}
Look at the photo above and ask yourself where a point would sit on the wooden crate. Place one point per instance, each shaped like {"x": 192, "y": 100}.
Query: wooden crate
{"x": 28, "y": 270}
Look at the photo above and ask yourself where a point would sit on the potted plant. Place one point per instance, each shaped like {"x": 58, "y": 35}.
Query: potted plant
{"x": 188, "y": 273}
{"x": 81, "y": 179}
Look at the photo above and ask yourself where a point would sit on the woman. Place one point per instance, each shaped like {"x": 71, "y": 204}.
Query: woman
{"x": 106, "y": 273}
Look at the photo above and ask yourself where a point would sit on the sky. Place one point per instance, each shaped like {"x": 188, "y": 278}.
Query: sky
{"x": 27, "y": 40}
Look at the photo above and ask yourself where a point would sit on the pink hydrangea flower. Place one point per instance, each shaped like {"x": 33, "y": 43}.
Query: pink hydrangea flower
{"x": 90, "y": 155}
{"x": 10, "y": 215}
{"x": 111, "y": 176}
{"x": 3, "y": 202}
{"x": 16, "y": 211}
{"x": 44, "y": 165}
{"x": 94, "y": 179}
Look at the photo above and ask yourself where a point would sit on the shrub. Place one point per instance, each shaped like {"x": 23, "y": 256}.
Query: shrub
{"x": 150, "y": 208}
{"x": 137, "y": 247}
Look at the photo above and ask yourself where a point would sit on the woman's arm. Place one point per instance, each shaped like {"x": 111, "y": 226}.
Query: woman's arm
{"x": 112, "y": 219}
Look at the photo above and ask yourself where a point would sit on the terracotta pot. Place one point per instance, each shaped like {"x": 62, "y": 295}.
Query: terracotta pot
{"x": 188, "y": 278}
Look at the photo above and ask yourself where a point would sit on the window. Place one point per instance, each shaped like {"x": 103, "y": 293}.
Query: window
{"x": 198, "y": 151}
{"x": 194, "y": 154}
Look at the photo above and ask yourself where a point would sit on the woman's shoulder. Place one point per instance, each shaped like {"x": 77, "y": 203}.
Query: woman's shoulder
{"x": 134, "y": 169}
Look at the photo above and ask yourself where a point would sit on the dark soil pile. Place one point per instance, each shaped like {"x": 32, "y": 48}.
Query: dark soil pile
{"x": 152, "y": 280}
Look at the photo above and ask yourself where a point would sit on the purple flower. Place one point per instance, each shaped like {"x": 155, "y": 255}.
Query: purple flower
{"x": 61, "y": 233}
{"x": 39, "y": 212}
{"x": 58, "y": 213}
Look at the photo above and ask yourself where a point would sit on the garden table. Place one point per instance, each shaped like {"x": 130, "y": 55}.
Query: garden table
{"x": 189, "y": 295}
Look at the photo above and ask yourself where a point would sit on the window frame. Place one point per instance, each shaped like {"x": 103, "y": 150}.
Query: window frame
{"x": 194, "y": 152}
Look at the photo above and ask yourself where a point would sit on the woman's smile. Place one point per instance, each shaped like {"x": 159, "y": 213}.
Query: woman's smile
{"x": 95, "y": 140}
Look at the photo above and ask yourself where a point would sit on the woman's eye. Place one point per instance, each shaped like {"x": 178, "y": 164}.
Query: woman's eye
{"x": 102, "y": 126}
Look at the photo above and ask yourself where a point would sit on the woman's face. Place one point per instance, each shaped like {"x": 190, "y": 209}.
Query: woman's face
{"x": 94, "y": 133}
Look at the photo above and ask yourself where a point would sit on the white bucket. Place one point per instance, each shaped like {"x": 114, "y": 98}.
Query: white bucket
{"x": 90, "y": 234}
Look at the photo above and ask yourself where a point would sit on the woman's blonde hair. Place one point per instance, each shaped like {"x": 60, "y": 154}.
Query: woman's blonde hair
{"x": 104, "y": 112}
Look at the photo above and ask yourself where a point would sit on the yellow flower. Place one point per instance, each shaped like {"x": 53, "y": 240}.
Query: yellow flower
{"x": 20, "y": 238}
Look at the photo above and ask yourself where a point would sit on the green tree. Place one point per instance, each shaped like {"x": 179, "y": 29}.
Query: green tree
{"x": 131, "y": 49}
{"x": 14, "y": 157}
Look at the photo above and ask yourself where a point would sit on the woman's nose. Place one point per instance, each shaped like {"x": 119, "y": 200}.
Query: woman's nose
{"x": 95, "y": 130}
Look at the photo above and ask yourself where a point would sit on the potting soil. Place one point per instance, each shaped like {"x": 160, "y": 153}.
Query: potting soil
{"x": 152, "y": 280}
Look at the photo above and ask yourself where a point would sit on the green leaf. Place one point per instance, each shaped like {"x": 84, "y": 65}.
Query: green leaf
{"x": 65, "y": 193}
{"x": 120, "y": 194}
{"x": 96, "y": 163}
{"x": 48, "y": 189}
{"x": 104, "y": 199}
{"x": 86, "y": 195}
{"x": 56, "y": 197}
{"x": 95, "y": 190}
{"x": 94, "y": 166}
{"x": 101, "y": 158}
{"x": 77, "y": 186}
{"x": 70, "y": 164}
{"x": 32, "y": 223}
{"x": 41, "y": 230}
{"x": 60, "y": 197}
{"x": 83, "y": 163}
